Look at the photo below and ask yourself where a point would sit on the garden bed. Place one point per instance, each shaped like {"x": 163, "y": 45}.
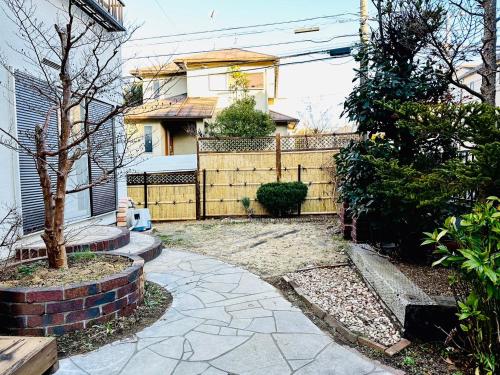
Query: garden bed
{"x": 82, "y": 267}
{"x": 156, "y": 302}
{"x": 341, "y": 293}
{"x": 96, "y": 288}
{"x": 433, "y": 281}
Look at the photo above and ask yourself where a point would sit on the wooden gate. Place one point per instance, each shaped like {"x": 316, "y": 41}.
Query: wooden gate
{"x": 233, "y": 168}
{"x": 169, "y": 195}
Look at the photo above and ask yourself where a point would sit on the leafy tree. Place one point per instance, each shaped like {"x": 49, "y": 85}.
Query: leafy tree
{"x": 242, "y": 119}
{"x": 395, "y": 71}
{"x": 239, "y": 82}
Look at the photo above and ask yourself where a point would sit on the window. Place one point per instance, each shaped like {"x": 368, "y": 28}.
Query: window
{"x": 156, "y": 89}
{"x": 255, "y": 80}
{"x": 148, "y": 139}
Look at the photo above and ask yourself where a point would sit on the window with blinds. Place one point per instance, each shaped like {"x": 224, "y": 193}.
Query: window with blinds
{"x": 32, "y": 105}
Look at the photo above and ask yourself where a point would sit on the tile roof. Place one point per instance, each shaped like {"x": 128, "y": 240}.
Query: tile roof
{"x": 280, "y": 117}
{"x": 178, "y": 107}
{"x": 232, "y": 55}
{"x": 158, "y": 70}
{"x": 227, "y": 55}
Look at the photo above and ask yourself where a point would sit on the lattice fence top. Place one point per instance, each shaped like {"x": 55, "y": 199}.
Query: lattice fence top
{"x": 167, "y": 178}
{"x": 288, "y": 143}
{"x": 237, "y": 144}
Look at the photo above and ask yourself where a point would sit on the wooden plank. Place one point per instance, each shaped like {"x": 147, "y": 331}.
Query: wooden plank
{"x": 27, "y": 355}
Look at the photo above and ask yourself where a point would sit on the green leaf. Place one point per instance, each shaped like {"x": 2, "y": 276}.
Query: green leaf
{"x": 438, "y": 262}
{"x": 441, "y": 234}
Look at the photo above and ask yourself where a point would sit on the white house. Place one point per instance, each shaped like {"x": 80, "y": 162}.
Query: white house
{"x": 187, "y": 93}
{"x": 22, "y": 109}
{"x": 468, "y": 75}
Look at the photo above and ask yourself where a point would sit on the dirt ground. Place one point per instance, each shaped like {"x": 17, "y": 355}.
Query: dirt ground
{"x": 266, "y": 247}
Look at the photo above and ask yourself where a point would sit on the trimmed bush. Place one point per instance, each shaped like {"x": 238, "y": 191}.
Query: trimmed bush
{"x": 281, "y": 198}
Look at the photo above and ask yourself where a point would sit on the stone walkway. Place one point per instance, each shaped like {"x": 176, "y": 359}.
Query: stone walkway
{"x": 223, "y": 320}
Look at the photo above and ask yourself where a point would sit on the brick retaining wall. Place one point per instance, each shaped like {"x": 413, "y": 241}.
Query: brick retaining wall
{"x": 57, "y": 310}
{"x": 113, "y": 243}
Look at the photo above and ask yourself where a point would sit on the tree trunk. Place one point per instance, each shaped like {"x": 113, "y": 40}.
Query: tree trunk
{"x": 488, "y": 53}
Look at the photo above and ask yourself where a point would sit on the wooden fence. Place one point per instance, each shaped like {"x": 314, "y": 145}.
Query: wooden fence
{"x": 233, "y": 168}
{"x": 169, "y": 196}
{"x": 230, "y": 169}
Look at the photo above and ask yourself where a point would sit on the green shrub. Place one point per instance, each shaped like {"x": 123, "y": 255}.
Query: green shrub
{"x": 475, "y": 261}
{"x": 242, "y": 119}
{"x": 406, "y": 188}
{"x": 246, "y": 202}
{"x": 281, "y": 198}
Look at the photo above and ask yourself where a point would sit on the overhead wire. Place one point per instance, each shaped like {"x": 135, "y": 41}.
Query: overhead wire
{"x": 229, "y": 35}
{"x": 244, "y": 27}
{"x": 278, "y": 64}
{"x": 245, "y": 47}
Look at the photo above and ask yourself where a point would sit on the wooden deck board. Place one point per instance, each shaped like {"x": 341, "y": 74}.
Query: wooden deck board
{"x": 27, "y": 355}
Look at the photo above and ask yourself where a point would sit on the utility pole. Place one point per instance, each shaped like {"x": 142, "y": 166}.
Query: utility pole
{"x": 363, "y": 21}
{"x": 363, "y": 36}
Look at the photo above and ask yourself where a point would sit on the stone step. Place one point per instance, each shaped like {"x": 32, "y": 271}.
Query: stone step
{"x": 95, "y": 238}
{"x": 147, "y": 246}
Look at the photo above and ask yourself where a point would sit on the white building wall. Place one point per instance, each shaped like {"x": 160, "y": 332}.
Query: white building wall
{"x": 168, "y": 87}
{"x": 214, "y": 82}
{"x": 48, "y": 12}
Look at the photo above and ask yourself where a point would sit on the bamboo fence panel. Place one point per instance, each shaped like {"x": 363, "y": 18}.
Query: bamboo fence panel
{"x": 167, "y": 202}
{"x": 232, "y": 176}
{"x": 317, "y": 172}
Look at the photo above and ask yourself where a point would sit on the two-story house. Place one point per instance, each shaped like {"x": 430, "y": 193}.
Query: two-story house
{"x": 23, "y": 107}
{"x": 185, "y": 95}
{"x": 468, "y": 74}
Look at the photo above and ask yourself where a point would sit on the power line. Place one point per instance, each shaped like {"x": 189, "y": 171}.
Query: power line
{"x": 277, "y": 64}
{"x": 229, "y": 35}
{"x": 244, "y": 47}
{"x": 244, "y": 27}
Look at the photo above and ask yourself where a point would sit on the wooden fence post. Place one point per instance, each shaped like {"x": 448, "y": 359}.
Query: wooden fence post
{"x": 278, "y": 157}
{"x": 145, "y": 190}
{"x": 204, "y": 193}
{"x": 197, "y": 194}
{"x": 299, "y": 177}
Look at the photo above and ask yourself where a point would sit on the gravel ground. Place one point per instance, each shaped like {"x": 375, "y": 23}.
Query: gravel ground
{"x": 342, "y": 293}
{"x": 267, "y": 247}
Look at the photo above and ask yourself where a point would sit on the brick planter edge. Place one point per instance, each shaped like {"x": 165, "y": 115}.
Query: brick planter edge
{"x": 56, "y": 310}
{"x": 113, "y": 243}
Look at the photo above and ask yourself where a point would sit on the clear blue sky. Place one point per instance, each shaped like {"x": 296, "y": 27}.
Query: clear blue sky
{"x": 320, "y": 85}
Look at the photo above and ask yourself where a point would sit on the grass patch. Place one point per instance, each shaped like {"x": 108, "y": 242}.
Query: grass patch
{"x": 171, "y": 240}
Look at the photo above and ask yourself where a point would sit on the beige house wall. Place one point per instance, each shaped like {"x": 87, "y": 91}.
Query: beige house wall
{"x": 159, "y": 138}
{"x": 184, "y": 143}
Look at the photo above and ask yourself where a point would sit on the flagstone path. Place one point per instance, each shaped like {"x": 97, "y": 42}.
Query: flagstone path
{"x": 223, "y": 320}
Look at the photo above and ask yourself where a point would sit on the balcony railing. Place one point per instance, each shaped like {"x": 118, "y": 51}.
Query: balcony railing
{"x": 107, "y": 13}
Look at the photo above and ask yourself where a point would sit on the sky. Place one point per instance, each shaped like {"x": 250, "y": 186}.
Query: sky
{"x": 311, "y": 91}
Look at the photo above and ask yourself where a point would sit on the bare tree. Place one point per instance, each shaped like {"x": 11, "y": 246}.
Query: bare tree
{"x": 85, "y": 68}
{"x": 470, "y": 31}
{"x": 316, "y": 120}
{"x": 10, "y": 229}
